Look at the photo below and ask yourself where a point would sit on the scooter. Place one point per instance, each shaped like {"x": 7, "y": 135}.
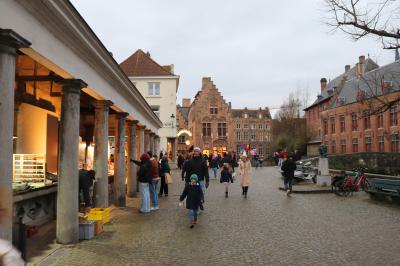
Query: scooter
{"x": 305, "y": 172}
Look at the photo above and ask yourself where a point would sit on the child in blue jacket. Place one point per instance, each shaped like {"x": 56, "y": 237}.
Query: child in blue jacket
{"x": 194, "y": 195}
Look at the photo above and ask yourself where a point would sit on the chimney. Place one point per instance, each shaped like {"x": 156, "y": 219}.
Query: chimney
{"x": 148, "y": 54}
{"x": 397, "y": 55}
{"x": 323, "y": 82}
{"x": 186, "y": 102}
{"x": 361, "y": 63}
{"x": 357, "y": 70}
{"x": 206, "y": 80}
{"x": 230, "y": 105}
{"x": 172, "y": 68}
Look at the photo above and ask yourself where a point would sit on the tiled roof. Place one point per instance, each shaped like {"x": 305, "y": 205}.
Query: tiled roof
{"x": 369, "y": 83}
{"x": 184, "y": 111}
{"x": 326, "y": 95}
{"x": 251, "y": 113}
{"x": 140, "y": 64}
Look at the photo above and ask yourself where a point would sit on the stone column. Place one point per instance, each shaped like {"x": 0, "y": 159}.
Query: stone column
{"x": 68, "y": 177}
{"x": 151, "y": 137}
{"x": 141, "y": 144}
{"x": 132, "y": 167}
{"x": 101, "y": 152}
{"x": 147, "y": 140}
{"x": 10, "y": 42}
{"x": 120, "y": 163}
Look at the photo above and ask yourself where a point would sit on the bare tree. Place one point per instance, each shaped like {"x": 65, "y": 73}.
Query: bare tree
{"x": 361, "y": 18}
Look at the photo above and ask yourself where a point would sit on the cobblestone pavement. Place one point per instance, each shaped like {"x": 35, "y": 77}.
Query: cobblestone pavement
{"x": 267, "y": 228}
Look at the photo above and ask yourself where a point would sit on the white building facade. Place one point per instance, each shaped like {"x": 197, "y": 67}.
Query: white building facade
{"x": 158, "y": 85}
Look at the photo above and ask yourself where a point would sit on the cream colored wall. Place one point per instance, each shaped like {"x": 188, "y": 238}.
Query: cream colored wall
{"x": 32, "y": 129}
{"x": 166, "y": 101}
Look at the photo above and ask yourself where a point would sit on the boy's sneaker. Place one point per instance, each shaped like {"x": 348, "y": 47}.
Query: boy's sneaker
{"x": 155, "y": 208}
{"x": 288, "y": 192}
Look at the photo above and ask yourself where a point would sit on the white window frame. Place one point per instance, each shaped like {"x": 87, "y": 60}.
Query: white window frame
{"x": 152, "y": 89}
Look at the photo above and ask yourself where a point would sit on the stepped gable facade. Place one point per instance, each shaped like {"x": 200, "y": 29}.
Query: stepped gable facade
{"x": 209, "y": 116}
{"x": 217, "y": 128}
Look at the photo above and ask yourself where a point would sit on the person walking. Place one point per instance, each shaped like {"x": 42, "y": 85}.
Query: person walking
{"x": 245, "y": 174}
{"x": 181, "y": 160}
{"x": 197, "y": 165}
{"x": 194, "y": 195}
{"x": 155, "y": 177}
{"x": 288, "y": 168}
{"x": 214, "y": 165}
{"x": 145, "y": 179}
{"x": 226, "y": 178}
{"x": 164, "y": 169}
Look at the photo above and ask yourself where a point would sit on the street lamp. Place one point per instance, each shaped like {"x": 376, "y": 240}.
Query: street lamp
{"x": 172, "y": 120}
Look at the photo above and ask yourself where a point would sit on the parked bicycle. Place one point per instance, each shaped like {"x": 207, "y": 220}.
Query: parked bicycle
{"x": 344, "y": 185}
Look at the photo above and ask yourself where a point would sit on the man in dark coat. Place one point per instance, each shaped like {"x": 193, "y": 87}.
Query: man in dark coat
{"x": 288, "y": 168}
{"x": 197, "y": 165}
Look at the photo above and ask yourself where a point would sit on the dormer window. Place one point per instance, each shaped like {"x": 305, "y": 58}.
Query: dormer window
{"x": 260, "y": 116}
{"x": 213, "y": 110}
{"x": 245, "y": 115}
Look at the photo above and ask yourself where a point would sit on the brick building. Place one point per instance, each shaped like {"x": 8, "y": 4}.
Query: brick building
{"x": 216, "y": 127}
{"x": 252, "y": 128}
{"x": 341, "y": 118}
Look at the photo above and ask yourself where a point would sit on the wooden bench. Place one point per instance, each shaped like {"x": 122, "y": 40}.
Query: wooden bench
{"x": 385, "y": 187}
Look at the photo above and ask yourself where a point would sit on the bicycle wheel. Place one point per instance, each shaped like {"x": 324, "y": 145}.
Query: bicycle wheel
{"x": 365, "y": 185}
{"x": 339, "y": 190}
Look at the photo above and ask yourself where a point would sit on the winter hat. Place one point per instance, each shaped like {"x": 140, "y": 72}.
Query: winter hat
{"x": 196, "y": 149}
{"x": 145, "y": 156}
{"x": 244, "y": 154}
{"x": 194, "y": 176}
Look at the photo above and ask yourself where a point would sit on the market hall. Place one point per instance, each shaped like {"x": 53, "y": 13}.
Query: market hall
{"x": 64, "y": 104}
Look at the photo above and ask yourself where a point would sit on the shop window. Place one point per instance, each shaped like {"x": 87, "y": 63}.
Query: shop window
{"x": 238, "y": 149}
{"x": 206, "y": 129}
{"x": 342, "y": 123}
{"x": 367, "y": 120}
{"x": 379, "y": 120}
{"x": 354, "y": 122}
{"x": 381, "y": 143}
{"x": 355, "y": 145}
{"x": 221, "y": 129}
{"x": 368, "y": 144}
{"x": 153, "y": 88}
{"x": 393, "y": 116}
{"x": 333, "y": 129}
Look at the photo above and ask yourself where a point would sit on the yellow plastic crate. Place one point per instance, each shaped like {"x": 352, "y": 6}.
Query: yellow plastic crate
{"x": 99, "y": 214}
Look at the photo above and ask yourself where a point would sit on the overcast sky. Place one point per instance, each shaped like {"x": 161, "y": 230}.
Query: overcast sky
{"x": 256, "y": 51}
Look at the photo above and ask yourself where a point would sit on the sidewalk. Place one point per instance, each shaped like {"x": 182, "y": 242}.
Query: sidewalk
{"x": 308, "y": 188}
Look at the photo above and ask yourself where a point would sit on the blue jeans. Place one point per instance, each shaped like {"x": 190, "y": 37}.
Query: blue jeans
{"x": 215, "y": 170}
{"x": 203, "y": 186}
{"x": 154, "y": 193}
{"x": 145, "y": 197}
{"x": 193, "y": 215}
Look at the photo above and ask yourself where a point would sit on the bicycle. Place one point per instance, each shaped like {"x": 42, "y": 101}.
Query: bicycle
{"x": 345, "y": 185}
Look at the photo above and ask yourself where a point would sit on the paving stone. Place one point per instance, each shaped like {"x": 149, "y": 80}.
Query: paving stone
{"x": 267, "y": 228}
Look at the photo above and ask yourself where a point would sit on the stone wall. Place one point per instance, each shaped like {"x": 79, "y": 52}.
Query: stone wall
{"x": 377, "y": 163}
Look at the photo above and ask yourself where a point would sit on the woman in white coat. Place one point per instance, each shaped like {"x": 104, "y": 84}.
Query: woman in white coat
{"x": 245, "y": 173}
